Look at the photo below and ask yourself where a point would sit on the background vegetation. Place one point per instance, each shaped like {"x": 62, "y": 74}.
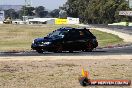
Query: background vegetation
{"x": 97, "y": 11}
{"x": 89, "y": 11}
{"x": 39, "y": 11}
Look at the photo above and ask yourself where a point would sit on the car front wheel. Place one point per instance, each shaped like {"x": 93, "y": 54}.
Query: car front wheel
{"x": 58, "y": 48}
{"x": 40, "y": 51}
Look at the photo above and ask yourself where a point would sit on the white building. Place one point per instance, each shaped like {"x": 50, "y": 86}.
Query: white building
{"x": 69, "y": 20}
{"x": 39, "y": 20}
{"x": 2, "y": 17}
{"x": 18, "y": 21}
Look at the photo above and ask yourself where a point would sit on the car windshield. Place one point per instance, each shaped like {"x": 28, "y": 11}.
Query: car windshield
{"x": 57, "y": 34}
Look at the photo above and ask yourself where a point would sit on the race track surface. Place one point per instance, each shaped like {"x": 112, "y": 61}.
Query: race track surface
{"x": 126, "y": 50}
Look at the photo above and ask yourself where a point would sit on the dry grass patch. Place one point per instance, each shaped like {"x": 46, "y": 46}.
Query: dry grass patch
{"x": 60, "y": 73}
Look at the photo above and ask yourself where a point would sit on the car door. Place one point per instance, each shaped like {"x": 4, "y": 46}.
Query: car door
{"x": 71, "y": 40}
{"x": 81, "y": 39}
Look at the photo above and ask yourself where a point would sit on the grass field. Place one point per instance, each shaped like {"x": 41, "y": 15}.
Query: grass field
{"x": 20, "y": 37}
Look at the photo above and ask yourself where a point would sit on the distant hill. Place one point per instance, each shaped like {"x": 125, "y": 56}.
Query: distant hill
{"x": 6, "y": 7}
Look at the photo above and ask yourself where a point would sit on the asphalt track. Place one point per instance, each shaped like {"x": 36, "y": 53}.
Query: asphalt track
{"x": 124, "y": 50}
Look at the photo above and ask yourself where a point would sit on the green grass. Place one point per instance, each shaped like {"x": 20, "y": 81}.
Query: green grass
{"x": 20, "y": 37}
{"x": 107, "y": 39}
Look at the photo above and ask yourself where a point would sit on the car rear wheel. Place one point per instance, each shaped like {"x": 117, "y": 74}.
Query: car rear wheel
{"x": 89, "y": 47}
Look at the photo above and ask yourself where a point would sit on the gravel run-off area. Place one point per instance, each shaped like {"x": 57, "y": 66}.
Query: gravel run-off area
{"x": 62, "y": 71}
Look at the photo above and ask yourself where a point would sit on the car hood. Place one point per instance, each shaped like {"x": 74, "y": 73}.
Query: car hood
{"x": 45, "y": 39}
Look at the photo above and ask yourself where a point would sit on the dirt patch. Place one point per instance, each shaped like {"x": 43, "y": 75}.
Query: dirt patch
{"x": 39, "y": 72}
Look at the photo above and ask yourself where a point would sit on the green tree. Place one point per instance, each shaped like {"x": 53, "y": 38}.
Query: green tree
{"x": 27, "y": 11}
{"x": 40, "y": 11}
{"x": 11, "y": 13}
{"x": 55, "y": 13}
{"x": 97, "y": 11}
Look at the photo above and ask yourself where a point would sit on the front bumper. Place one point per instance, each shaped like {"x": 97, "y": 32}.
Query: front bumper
{"x": 40, "y": 47}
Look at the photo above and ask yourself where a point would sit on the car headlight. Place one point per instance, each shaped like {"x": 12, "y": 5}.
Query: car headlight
{"x": 47, "y": 43}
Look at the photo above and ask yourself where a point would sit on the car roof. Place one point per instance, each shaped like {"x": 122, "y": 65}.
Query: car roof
{"x": 70, "y": 28}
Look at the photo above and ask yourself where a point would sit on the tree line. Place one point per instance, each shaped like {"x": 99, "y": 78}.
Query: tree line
{"x": 39, "y": 11}
{"x": 89, "y": 11}
{"x": 97, "y": 11}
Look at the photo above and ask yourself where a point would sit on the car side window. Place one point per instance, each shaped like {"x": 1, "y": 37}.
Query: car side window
{"x": 76, "y": 35}
{"x": 81, "y": 34}
{"x": 63, "y": 32}
{"x": 73, "y": 35}
{"x": 88, "y": 34}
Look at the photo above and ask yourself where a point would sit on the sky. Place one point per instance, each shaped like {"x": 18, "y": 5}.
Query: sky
{"x": 49, "y": 4}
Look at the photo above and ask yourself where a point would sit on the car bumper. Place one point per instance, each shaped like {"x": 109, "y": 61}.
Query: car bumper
{"x": 44, "y": 47}
{"x": 95, "y": 44}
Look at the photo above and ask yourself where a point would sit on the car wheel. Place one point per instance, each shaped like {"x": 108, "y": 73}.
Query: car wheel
{"x": 89, "y": 47}
{"x": 40, "y": 51}
{"x": 58, "y": 48}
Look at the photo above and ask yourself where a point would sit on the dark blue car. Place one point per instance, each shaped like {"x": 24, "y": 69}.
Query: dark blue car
{"x": 66, "y": 39}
